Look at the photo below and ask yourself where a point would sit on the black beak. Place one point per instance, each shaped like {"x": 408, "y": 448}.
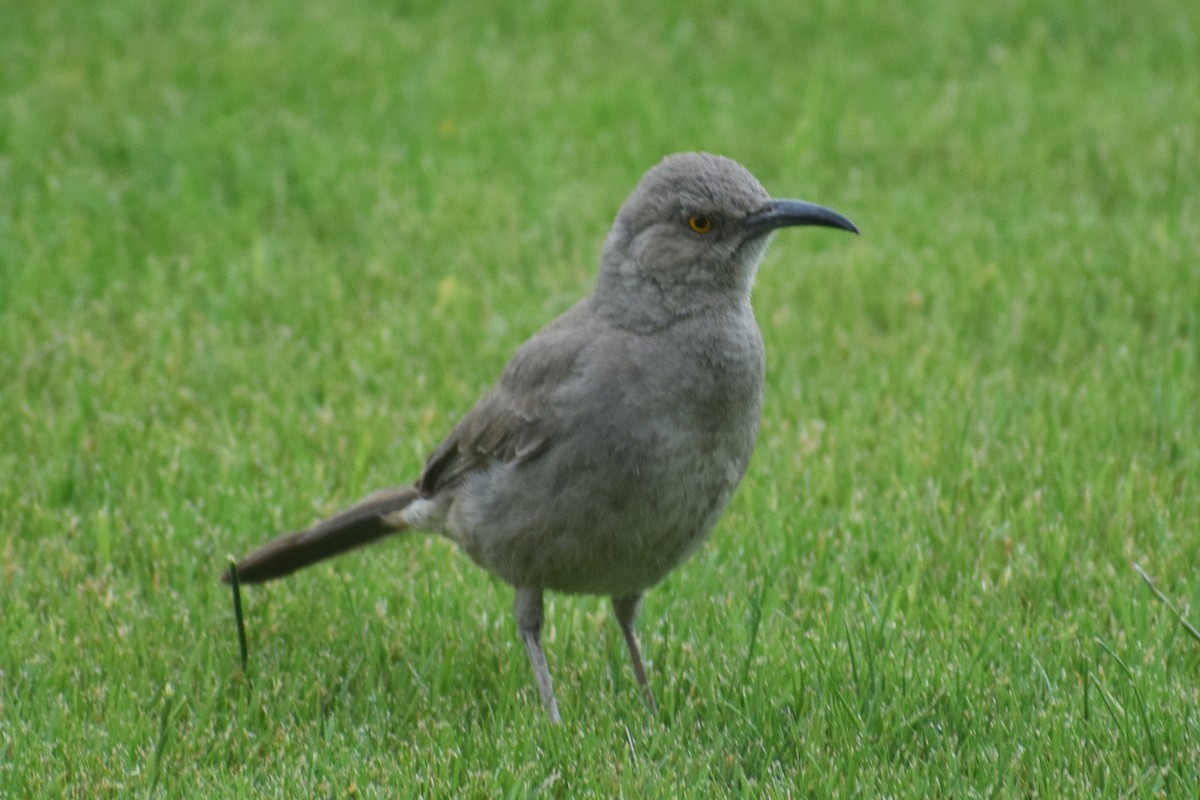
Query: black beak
{"x": 785, "y": 213}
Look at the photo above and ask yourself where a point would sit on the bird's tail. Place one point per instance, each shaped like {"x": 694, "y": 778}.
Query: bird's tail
{"x": 364, "y": 522}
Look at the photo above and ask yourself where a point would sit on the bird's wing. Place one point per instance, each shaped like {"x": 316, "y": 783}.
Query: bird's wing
{"x": 519, "y": 417}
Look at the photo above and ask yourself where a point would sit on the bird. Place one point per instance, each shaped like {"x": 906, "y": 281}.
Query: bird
{"x": 613, "y": 440}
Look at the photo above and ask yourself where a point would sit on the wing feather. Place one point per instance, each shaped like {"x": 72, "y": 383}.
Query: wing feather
{"x": 520, "y": 417}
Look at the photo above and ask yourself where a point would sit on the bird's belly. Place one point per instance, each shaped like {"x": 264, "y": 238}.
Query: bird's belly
{"x": 613, "y": 521}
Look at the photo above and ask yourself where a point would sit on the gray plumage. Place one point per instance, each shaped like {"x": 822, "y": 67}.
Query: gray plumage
{"x": 616, "y": 435}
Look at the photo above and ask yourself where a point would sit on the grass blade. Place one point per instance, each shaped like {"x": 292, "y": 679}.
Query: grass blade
{"x": 1187, "y": 626}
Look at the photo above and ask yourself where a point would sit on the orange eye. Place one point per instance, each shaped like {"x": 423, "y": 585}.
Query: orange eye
{"x": 700, "y": 223}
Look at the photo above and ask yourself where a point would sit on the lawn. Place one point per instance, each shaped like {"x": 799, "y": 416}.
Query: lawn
{"x": 257, "y": 258}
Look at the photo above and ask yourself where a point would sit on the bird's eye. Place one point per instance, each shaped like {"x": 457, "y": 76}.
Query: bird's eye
{"x": 700, "y": 223}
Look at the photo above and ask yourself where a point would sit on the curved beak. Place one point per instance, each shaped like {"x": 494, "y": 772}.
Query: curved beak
{"x": 787, "y": 213}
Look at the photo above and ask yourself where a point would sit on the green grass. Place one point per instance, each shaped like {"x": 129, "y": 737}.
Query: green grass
{"x": 255, "y": 258}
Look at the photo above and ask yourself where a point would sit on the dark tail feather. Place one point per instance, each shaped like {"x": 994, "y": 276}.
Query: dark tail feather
{"x": 355, "y": 526}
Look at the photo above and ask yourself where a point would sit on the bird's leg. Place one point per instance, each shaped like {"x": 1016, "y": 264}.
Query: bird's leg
{"x": 528, "y": 610}
{"x": 626, "y": 609}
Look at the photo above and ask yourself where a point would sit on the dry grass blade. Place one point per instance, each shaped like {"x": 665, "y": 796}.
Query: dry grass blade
{"x": 237, "y": 609}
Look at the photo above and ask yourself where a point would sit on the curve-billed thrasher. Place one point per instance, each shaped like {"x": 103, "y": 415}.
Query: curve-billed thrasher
{"x": 616, "y": 435}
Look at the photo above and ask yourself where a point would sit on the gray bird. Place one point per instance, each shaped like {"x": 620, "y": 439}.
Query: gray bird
{"x": 616, "y": 435}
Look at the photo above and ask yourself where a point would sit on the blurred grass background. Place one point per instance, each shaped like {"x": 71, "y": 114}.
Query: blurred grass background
{"x": 256, "y": 259}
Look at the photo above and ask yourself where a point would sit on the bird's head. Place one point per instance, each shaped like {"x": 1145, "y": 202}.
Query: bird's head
{"x": 694, "y": 231}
